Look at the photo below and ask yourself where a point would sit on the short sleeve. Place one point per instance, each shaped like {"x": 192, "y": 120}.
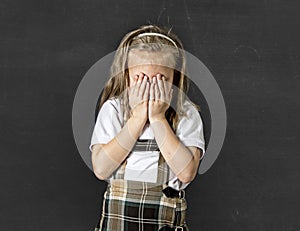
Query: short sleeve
{"x": 108, "y": 123}
{"x": 190, "y": 129}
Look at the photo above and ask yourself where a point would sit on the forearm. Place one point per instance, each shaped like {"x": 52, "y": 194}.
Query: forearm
{"x": 177, "y": 155}
{"x": 109, "y": 157}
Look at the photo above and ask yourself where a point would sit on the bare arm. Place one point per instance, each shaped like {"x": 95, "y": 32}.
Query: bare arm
{"x": 108, "y": 157}
{"x": 184, "y": 161}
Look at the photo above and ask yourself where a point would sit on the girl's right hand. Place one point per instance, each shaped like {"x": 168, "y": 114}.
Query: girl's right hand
{"x": 138, "y": 95}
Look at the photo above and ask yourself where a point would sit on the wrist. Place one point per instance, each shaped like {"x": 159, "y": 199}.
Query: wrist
{"x": 138, "y": 120}
{"x": 156, "y": 118}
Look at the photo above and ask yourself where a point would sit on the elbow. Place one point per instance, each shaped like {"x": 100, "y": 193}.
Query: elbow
{"x": 98, "y": 170}
{"x": 187, "y": 175}
{"x": 100, "y": 174}
{"x": 186, "y": 178}
{"x": 100, "y": 177}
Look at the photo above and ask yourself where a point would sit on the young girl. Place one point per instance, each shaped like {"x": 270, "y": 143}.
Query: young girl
{"x": 148, "y": 138}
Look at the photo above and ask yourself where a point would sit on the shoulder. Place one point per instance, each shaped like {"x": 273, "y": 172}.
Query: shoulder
{"x": 188, "y": 106}
{"x": 190, "y": 120}
{"x": 191, "y": 112}
{"x": 110, "y": 113}
{"x": 190, "y": 127}
{"x": 112, "y": 105}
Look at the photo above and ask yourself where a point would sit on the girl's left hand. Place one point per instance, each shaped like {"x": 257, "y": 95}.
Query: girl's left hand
{"x": 160, "y": 98}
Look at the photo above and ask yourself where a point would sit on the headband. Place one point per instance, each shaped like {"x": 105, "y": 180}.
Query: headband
{"x": 159, "y": 35}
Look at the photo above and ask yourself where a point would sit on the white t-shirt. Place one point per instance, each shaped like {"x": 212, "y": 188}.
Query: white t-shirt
{"x": 110, "y": 121}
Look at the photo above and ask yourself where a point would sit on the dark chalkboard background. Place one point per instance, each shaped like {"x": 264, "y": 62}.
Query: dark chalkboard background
{"x": 252, "y": 49}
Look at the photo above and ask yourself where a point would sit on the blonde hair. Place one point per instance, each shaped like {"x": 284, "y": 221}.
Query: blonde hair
{"x": 149, "y": 38}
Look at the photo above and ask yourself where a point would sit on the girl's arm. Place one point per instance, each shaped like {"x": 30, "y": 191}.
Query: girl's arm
{"x": 106, "y": 158}
{"x": 183, "y": 161}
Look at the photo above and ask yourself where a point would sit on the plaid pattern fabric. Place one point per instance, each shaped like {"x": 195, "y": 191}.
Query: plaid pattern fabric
{"x": 145, "y": 145}
{"x": 140, "y": 206}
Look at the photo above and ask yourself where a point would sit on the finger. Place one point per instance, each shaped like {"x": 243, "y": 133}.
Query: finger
{"x": 167, "y": 85}
{"x": 151, "y": 95}
{"x": 156, "y": 90}
{"x": 143, "y": 86}
{"x": 136, "y": 77}
{"x": 140, "y": 79}
{"x": 138, "y": 84}
{"x": 133, "y": 87}
{"x": 160, "y": 87}
{"x": 146, "y": 93}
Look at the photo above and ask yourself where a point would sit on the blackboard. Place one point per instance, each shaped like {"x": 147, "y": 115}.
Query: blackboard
{"x": 252, "y": 49}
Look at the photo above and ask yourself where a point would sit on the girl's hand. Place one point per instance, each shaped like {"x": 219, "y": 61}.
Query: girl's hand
{"x": 160, "y": 98}
{"x": 138, "y": 97}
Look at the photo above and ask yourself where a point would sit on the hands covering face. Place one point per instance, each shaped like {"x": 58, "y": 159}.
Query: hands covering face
{"x": 149, "y": 100}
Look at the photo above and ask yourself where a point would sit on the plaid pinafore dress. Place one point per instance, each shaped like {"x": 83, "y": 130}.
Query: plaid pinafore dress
{"x": 140, "y": 206}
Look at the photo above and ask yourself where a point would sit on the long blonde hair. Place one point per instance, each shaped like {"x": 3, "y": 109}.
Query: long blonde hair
{"x": 116, "y": 86}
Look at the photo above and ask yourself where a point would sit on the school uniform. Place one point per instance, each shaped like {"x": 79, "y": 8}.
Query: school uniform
{"x": 143, "y": 194}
